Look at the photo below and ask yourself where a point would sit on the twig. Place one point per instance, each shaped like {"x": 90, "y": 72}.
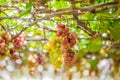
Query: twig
{"x": 36, "y": 39}
{"x": 3, "y": 27}
{"x": 6, "y": 28}
{"x": 44, "y": 33}
{"x": 46, "y": 28}
{"x": 84, "y": 27}
{"x": 14, "y": 17}
{"x": 20, "y": 32}
{"x": 17, "y": 25}
{"x": 28, "y": 19}
{"x": 24, "y": 29}
{"x": 86, "y": 8}
{"x": 12, "y": 6}
{"x": 70, "y": 11}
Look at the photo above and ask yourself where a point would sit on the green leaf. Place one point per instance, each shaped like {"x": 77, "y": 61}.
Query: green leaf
{"x": 32, "y": 45}
{"x": 114, "y": 32}
{"x": 78, "y": 5}
{"x": 25, "y": 12}
{"x": 83, "y": 43}
{"x": 94, "y": 64}
{"x": 95, "y": 25}
{"x": 94, "y": 44}
{"x": 4, "y": 1}
{"x": 58, "y": 4}
{"x": 87, "y": 16}
{"x": 80, "y": 55}
{"x": 28, "y": 9}
{"x": 30, "y": 4}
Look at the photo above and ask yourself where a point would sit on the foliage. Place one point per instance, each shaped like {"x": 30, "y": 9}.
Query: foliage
{"x": 95, "y": 22}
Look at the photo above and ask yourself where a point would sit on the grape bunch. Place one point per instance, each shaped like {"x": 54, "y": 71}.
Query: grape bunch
{"x": 53, "y": 47}
{"x": 6, "y": 40}
{"x": 68, "y": 42}
{"x": 32, "y": 64}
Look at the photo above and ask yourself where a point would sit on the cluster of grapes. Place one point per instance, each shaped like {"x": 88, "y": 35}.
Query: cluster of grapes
{"x": 5, "y": 41}
{"x": 33, "y": 61}
{"x": 53, "y": 46}
{"x": 32, "y": 64}
{"x": 68, "y": 42}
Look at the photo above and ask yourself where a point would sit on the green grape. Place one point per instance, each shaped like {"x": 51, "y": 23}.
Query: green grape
{"x": 54, "y": 48}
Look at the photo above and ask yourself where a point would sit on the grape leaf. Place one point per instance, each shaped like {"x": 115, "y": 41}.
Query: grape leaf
{"x": 94, "y": 44}
{"x": 28, "y": 9}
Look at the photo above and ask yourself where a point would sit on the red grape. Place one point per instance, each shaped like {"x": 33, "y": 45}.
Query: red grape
{"x": 61, "y": 26}
{"x": 68, "y": 42}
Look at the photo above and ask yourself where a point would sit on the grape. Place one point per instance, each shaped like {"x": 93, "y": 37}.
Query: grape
{"x": 18, "y": 39}
{"x": 72, "y": 43}
{"x": 2, "y": 52}
{"x": 65, "y": 32}
{"x": 41, "y": 59}
{"x": 70, "y": 52}
{"x": 62, "y": 30}
{"x": 3, "y": 44}
{"x": 18, "y": 45}
{"x": 61, "y": 26}
{"x": 1, "y": 38}
{"x": 8, "y": 37}
{"x": 18, "y": 42}
{"x": 72, "y": 39}
{"x": 14, "y": 57}
{"x": 64, "y": 49}
{"x": 12, "y": 51}
{"x": 59, "y": 32}
{"x": 65, "y": 42}
{"x": 74, "y": 35}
